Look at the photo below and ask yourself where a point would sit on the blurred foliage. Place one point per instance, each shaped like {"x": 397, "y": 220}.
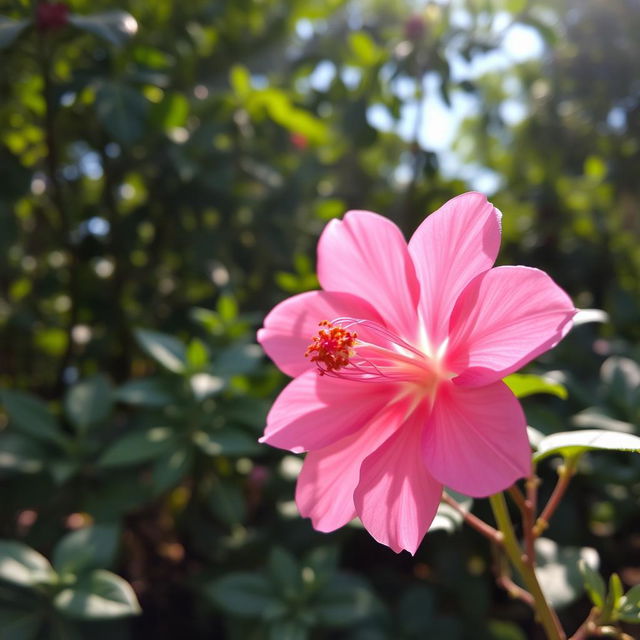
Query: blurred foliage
{"x": 166, "y": 169}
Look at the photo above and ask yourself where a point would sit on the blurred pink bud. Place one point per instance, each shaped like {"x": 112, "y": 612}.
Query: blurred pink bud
{"x": 52, "y": 16}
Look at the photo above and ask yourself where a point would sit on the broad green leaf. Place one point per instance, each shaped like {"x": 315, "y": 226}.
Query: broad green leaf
{"x": 138, "y": 446}
{"x": 122, "y": 110}
{"x": 226, "y": 441}
{"x": 204, "y": 385}
{"x": 285, "y": 573}
{"x": 30, "y": 415}
{"x": 238, "y": 359}
{"x": 22, "y": 565}
{"x": 20, "y": 624}
{"x": 319, "y": 566}
{"x": 100, "y": 595}
{"x": 585, "y": 316}
{"x": 535, "y": 437}
{"x": 240, "y": 79}
{"x": 89, "y": 548}
{"x": 114, "y": 26}
{"x": 171, "y": 112}
{"x": 21, "y": 454}
{"x": 169, "y": 470}
{"x": 526, "y": 384}
{"x": 62, "y": 469}
{"x": 244, "y": 594}
{"x": 146, "y": 392}
{"x": 593, "y": 583}
{"x": 572, "y": 444}
{"x": 593, "y": 418}
{"x": 558, "y": 570}
{"x": 343, "y": 601}
{"x": 629, "y": 610}
{"x": 88, "y": 403}
{"x": 197, "y": 355}
{"x": 365, "y": 49}
{"x": 10, "y": 30}
{"x": 164, "y": 349}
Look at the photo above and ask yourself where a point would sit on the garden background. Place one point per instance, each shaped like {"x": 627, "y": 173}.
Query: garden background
{"x": 165, "y": 170}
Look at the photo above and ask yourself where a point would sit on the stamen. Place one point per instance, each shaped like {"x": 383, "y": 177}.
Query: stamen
{"x": 332, "y": 348}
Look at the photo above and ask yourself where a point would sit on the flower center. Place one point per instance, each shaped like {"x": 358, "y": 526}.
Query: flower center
{"x": 373, "y": 354}
{"x": 331, "y": 348}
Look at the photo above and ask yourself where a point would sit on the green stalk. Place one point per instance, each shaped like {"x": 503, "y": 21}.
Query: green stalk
{"x": 545, "y": 613}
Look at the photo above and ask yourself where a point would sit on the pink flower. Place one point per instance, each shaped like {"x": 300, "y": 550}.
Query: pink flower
{"x": 398, "y": 365}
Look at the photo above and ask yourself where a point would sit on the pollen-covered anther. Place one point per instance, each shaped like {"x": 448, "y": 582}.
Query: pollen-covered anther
{"x": 332, "y": 347}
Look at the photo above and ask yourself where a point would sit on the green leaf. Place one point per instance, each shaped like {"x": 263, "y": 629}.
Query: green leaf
{"x": 572, "y": 444}
{"x": 88, "y": 403}
{"x": 122, "y": 111}
{"x": 30, "y": 415}
{"x": 100, "y": 595}
{"x": 364, "y": 48}
{"x": 146, "y": 392}
{"x": 285, "y": 573}
{"x": 629, "y": 610}
{"x": 203, "y": 385}
{"x": 559, "y": 572}
{"x": 593, "y": 583}
{"x": 613, "y": 601}
{"x": 138, "y": 446}
{"x": 197, "y": 355}
{"x": 22, "y": 565}
{"x": 20, "y": 624}
{"x": 169, "y": 470}
{"x": 585, "y": 316}
{"x": 238, "y": 359}
{"x": 164, "y": 349}
{"x": 344, "y": 601}
{"x": 21, "y": 454}
{"x": 243, "y": 594}
{"x": 171, "y": 112}
{"x": 227, "y": 502}
{"x": 89, "y": 548}
{"x": 10, "y": 30}
{"x": 240, "y": 80}
{"x": 226, "y": 441}
{"x": 323, "y": 563}
{"x": 526, "y": 384}
{"x": 114, "y": 26}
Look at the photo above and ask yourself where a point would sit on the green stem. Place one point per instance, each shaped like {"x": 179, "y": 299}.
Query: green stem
{"x": 546, "y": 615}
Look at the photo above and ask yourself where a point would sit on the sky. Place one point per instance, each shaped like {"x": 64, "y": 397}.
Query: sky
{"x": 439, "y": 123}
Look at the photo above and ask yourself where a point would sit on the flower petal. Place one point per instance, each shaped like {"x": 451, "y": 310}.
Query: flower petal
{"x": 397, "y": 498}
{"x": 366, "y": 254}
{"x": 291, "y": 325}
{"x": 314, "y": 411}
{"x": 450, "y": 248}
{"x": 329, "y": 476}
{"x": 475, "y": 440}
{"x": 502, "y": 320}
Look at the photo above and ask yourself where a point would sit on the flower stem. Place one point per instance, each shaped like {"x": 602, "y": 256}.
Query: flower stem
{"x": 565, "y": 473}
{"x": 545, "y": 613}
{"x": 473, "y": 521}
